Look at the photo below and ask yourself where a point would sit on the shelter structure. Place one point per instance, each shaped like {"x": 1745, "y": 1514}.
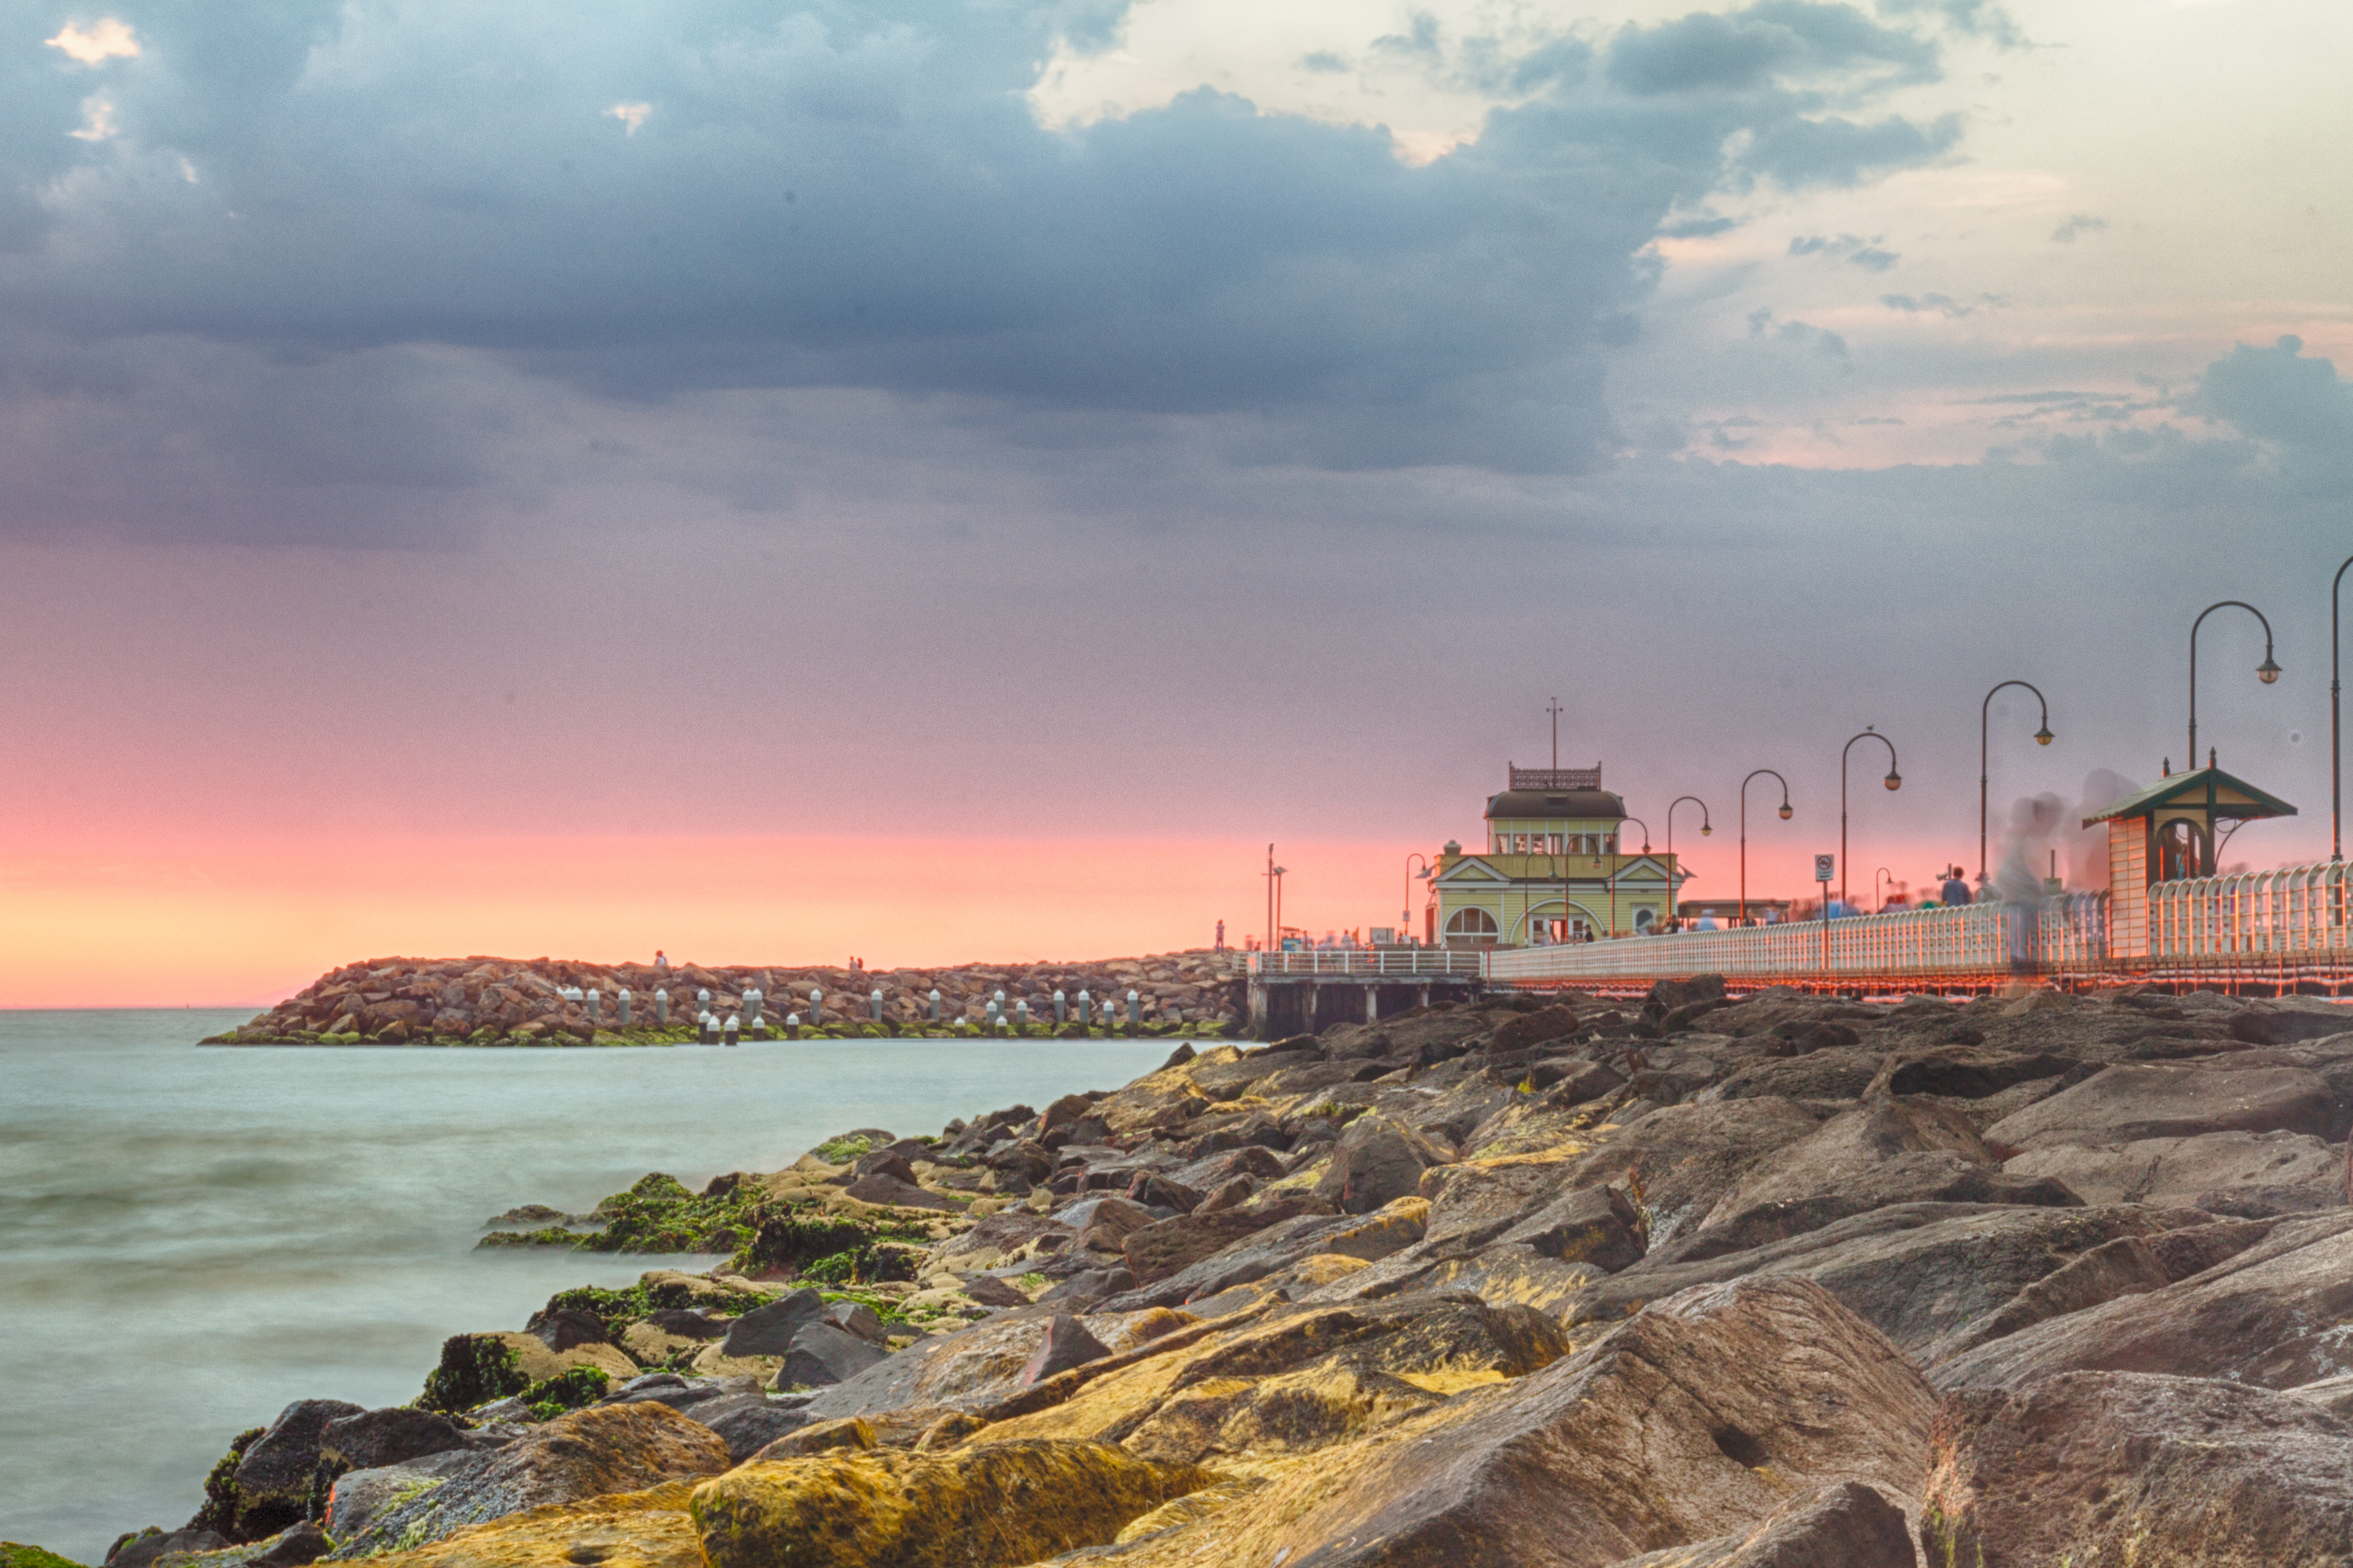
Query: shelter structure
{"x": 2172, "y": 831}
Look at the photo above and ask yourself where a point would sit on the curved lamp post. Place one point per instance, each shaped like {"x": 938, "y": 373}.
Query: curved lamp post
{"x": 2265, "y": 672}
{"x": 1614, "y": 867}
{"x": 2335, "y": 748}
{"x": 1405, "y": 914}
{"x": 1705, "y": 828}
{"x": 1877, "y": 897}
{"x": 1785, "y": 814}
{"x": 1892, "y": 781}
{"x": 2043, "y": 737}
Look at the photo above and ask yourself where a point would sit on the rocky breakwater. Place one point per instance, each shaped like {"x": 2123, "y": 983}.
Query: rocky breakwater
{"x": 1781, "y": 1281}
{"x": 541, "y": 1001}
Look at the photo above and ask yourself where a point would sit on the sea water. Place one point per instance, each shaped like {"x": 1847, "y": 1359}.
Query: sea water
{"x": 192, "y": 1237}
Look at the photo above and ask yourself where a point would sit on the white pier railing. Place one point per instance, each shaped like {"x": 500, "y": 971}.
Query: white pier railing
{"x": 2294, "y": 914}
{"x": 1368, "y": 963}
{"x": 2065, "y": 934}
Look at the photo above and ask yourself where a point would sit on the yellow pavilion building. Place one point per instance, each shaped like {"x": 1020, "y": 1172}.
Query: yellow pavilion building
{"x": 1552, "y": 869}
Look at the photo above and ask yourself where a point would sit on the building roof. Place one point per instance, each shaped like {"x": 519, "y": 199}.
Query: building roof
{"x": 1527, "y": 804}
{"x": 2233, "y": 798}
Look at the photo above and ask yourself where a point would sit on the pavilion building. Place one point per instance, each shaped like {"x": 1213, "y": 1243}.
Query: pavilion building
{"x": 1552, "y": 869}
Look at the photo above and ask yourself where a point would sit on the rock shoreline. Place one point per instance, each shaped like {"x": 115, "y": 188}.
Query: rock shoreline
{"x": 483, "y": 1001}
{"x": 1693, "y": 1282}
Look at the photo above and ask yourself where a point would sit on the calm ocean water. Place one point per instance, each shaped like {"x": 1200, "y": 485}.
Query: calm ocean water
{"x": 190, "y": 1238}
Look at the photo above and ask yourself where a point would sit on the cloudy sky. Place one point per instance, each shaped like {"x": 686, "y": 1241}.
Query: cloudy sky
{"x": 934, "y": 481}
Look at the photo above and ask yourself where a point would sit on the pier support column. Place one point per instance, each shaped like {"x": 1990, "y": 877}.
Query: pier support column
{"x": 1372, "y": 1004}
{"x": 1253, "y": 1011}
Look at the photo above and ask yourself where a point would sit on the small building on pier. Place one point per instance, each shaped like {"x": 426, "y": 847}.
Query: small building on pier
{"x": 1551, "y": 870}
{"x": 2171, "y": 832}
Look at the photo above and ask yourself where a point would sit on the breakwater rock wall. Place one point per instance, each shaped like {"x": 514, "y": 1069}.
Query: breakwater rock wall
{"x": 1752, "y": 1283}
{"x": 493, "y": 1001}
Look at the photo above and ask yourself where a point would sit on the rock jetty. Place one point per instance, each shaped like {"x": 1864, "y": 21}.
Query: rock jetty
{"x": 1695, "y": 1281}
{"x": 547, "y": 1002}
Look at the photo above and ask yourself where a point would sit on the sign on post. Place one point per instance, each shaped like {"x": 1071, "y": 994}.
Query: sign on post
{"x": 1825, "y": 868}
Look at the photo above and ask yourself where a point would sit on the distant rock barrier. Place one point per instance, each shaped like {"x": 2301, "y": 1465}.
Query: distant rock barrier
{"x": 563, "y": 1002}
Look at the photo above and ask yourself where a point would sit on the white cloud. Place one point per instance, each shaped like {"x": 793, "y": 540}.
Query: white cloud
{"x": 630, "y": 115}
{"x": 97, "y": 122}
{"x": 103, "y": 40}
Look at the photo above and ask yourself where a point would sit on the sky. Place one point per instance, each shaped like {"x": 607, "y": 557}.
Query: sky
{"x": 940, "y": 482}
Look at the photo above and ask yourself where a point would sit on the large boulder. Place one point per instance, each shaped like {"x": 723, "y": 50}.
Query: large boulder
{"x": 1290, "y": 1379}
{"x": 1688, "y": 1156}
{"x": 769, "y": 1329}
{"x": 373, "y": 1438}
{"x": 1261, "y": 1252}
{"x": 2110, "y": 1470}
{"x": 823, "y": 1353}
{"x": 605, "y": 1448}
{"x": 996, "y": 1506}
{"x": 2128, "y": 1265}
{"x": 1376, "y": 1161}
{"x": 1694, "y": 1421}
{"x": 2245, "y": 1174}
{"x": 1160, "y": 1249}
{"x": 1844, "y": 1525}
{"x": 648, "y": 1529}
{"x": 2132, "y": 1101}
{"x": 1885, "y": 1151}
{"x": 274, "y": 1475}
{"x": 1914, "y": 1271}
{"x": 2269, "y": 1317}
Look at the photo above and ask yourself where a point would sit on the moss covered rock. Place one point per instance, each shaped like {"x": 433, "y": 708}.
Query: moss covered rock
{"x": 14, "y": 1555}
{"x": 606, "y": 1449}
{"x": 648, "y": 1528}
{"x": 990, "y": 1506}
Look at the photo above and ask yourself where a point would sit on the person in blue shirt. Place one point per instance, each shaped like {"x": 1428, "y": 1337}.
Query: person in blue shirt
{"x": 1956, "y": 890}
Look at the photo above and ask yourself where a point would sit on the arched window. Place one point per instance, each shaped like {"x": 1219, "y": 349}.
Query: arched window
{"x": 1470, "y": 927}
{"x": 1644, "y": 919}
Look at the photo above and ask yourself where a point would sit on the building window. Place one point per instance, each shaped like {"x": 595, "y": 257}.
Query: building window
{"x": 1644, "y": 919}
{"x": 1610, "y": 844}
{"x": 1470, "y": 926}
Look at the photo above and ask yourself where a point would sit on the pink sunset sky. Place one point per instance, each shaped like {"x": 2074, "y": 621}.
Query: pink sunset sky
{"x": 782, "y": 487}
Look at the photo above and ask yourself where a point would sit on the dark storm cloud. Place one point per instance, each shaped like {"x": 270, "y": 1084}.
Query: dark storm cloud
{"x": 859, "y": 196}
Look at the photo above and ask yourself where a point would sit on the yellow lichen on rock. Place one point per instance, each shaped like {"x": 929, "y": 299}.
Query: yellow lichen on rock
{"x": 997, "y": 1505}
{"x": 647, "y": 1528}
{"x": 538, "y": 1363}
{"x": 1181, "y": 1511}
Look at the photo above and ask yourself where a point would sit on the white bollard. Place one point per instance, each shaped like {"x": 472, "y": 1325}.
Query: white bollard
{"x": 1022, "y": 1009}
{"x": 817, "y": 1006}
{"x": 1134, "y": 1010}
{"x": 875, "y": 1002}
{"x": 661, "y": 1006}
{"x": 1086, "y": 1008}
{"x": 595, "y": 1003}
{"x": 935, "y": 1003}
{"x": 625, "y": 1019}
{"x": 753, "y": 1002}
{"x": 792, "y": 1025}
{"x": 1062, "y": 1009}
{"x": 731, "y": 1030}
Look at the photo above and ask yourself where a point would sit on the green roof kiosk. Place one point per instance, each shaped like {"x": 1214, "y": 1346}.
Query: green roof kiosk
{"x": 2168, "y": 833}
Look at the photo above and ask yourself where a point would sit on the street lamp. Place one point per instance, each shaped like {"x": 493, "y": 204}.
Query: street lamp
{"x": 1705, "y": 828}
{"x": 1614, "y": 867}
{"x": 2265, "y": 672}
{"x": 1894, "y": 780}
{"x": 2336, "y": 747}
{"x": 1406, "y": 914}
{"x": 1877, "y": 897}
{"x": 2043, "y": 737}
{"x": 1785, "y": 814}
